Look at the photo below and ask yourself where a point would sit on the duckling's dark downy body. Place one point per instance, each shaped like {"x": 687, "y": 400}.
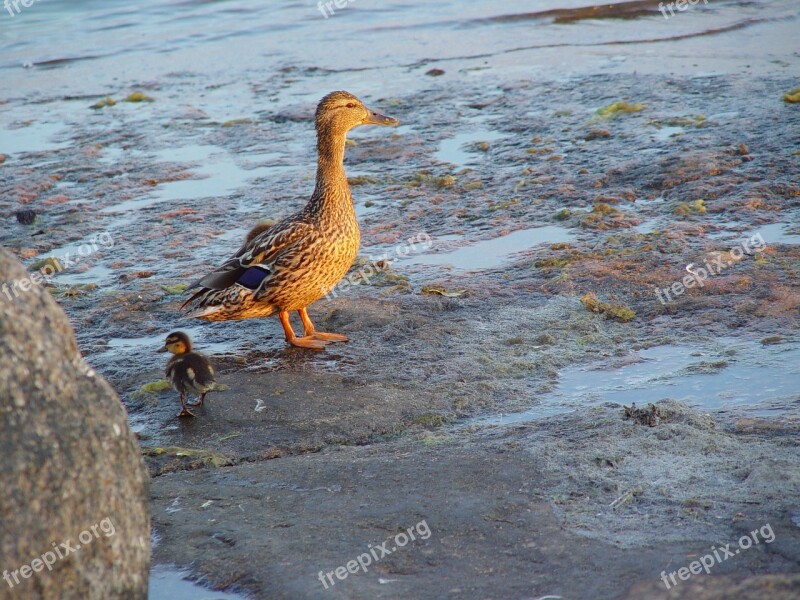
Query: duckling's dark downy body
{"x": 189, "y": 372}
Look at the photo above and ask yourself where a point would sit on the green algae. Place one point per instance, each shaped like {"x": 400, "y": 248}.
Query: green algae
{"x": 698, "y": 207}
{"x": 439, "y": 291}
{"x": 103, "y": 102}
{"x": 152, "y": 388}
{"x": 619, "y": 312}
{"x": 138, "y": 97}
{"x": 424, "y": 178}
{"x": 362, "y": 180}
{"x": 176, "y": 289}
{"x": 205, "y": 457}
{"x": 792, "y": 97}
{"x": 235, "y": 122}
{"x": 430, "y": 420}
{"x": 600, "y": 216}
{"x": 436, "y": 440}
{"x": 612, "y": 110}
{"x": 49, "y": 261}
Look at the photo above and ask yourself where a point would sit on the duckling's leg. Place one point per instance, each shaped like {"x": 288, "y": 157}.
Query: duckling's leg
{"x": 309, "y": 331}
{"x": 199, "y": 402}
{"x": 185, "y": 412}
{"x": 303, "y": 342}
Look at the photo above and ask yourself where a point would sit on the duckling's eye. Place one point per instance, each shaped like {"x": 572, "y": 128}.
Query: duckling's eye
{"x": 351, "y": 105}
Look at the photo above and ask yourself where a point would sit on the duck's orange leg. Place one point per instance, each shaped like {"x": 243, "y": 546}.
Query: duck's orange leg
{"x": 199, "y": 402}
{"x": 185, "y": 412}
{"x": 309, "y": 331}
{"x": 303, "y": 342}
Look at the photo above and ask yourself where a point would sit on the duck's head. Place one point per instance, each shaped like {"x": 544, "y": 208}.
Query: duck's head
{"x": 177, "y": 342}
{"x": 339, "y": 112}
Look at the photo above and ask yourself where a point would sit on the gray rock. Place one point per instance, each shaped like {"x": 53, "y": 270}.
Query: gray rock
{"x": 74, "y": 505}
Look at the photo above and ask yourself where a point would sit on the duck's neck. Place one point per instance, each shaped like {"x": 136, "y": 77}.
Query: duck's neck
{"x": 331, "y": 194}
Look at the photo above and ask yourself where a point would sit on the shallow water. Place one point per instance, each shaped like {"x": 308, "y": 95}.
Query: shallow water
{"x": 772, "y": 233}
{"x": 489, "y": 254}
{"x": 35, "y": 137}
{"x": 734, "y": 376}
{"x": 170, "y": 583}
{"x": 74, "y": 44}
{"x": 460, "y": 149}
{"x": 776, "y": 233}
{"x": 154, "y": 342}
{"x": 217, "y": 174}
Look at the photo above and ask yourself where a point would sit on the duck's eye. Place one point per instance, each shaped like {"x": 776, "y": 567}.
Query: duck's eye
{"x": 351, "y": 105}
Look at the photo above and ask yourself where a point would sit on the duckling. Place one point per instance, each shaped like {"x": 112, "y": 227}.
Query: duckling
{"x": 290, "y": 265}
{"x": 189, "y": 372}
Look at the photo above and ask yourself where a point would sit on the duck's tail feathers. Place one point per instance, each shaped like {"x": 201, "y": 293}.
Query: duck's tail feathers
{"x": 195, "y": 296}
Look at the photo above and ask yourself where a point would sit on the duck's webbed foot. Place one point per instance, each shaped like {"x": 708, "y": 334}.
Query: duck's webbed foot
{"x": 330, "y": 337}
{"x": 310, "y": 331}
{"x": 185, "y": 412}
{"x": 307, "y": 341}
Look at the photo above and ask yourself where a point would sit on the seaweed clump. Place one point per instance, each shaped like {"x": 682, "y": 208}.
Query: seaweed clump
{"x": 620, "y": 312}
{"x": 612, "y": 110}
{"x": 650, "y": 416}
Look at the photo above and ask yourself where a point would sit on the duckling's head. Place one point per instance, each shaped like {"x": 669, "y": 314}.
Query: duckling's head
{"x": 177, "y": 342}
{"x": 339, "y": 112}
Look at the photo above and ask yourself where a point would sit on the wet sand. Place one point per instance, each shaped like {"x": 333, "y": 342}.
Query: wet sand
{"x": 483, "y": 387}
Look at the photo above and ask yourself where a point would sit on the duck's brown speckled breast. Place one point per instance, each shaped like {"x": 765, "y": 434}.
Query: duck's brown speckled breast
{"x": 309, "y": 272}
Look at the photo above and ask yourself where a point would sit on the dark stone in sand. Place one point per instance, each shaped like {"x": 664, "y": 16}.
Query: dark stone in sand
{"x": 69, "y": 463}
{"x": 26, "y": 217}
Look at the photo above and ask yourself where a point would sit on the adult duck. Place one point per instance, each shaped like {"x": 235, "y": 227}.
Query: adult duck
{"x": 288, "y": 266}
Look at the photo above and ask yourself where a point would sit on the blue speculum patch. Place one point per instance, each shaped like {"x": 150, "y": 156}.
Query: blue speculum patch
{"x": 253, "y": 277}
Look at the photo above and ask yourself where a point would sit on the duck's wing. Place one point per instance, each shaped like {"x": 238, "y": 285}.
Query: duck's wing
{"x": 191, "y": 372}
{"x": 199, "y": 370}
{"x": 251, "y": 265}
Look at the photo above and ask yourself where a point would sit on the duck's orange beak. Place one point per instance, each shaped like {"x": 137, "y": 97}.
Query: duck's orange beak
{"x": 374, "y": 118}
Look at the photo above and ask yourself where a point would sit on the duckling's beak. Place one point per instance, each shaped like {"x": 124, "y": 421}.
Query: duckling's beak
{"x": 164, "y": 349}
{"x": 374, "y": 118}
